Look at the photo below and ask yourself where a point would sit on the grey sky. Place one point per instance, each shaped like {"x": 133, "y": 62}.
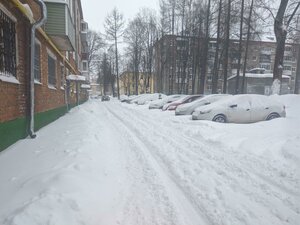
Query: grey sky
{"x": 95, "y": 11}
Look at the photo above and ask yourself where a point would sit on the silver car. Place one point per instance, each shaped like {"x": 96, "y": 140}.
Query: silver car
{"x": 241, "y": 109}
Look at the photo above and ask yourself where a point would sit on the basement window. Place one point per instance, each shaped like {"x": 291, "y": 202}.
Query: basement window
{"x": 7, "y": 45}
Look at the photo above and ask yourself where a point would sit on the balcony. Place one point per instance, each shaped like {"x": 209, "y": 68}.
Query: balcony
{"x": 60, "y": 26}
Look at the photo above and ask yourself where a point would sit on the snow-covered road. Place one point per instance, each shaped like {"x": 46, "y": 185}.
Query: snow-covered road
{"x": 112, "y": 163}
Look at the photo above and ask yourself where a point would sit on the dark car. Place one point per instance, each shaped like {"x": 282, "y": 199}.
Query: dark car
{"x": 105, "y": 98}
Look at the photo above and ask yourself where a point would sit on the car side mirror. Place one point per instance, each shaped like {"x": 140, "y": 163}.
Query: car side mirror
{"x": 207, "y": 103}
{"x": 233, "y": 106}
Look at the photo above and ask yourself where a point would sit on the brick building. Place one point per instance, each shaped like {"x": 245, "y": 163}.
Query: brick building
{"x": 58, "y": 53}
{"x": 176, "y": 57}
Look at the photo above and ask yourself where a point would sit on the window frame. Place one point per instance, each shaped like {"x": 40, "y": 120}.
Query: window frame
{"x": 14, "y": 60}
{"x": 62, "y": 76}
{"x": 53, "y": 57}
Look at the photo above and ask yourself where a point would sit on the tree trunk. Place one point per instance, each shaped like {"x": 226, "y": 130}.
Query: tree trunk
{"x": 247, "y": 48}
{"x": 226, "y": 48}
{"x": 215, "y": 76}
{"x": 117, "y": 67}
{"x": 237, "y": 84}
{"x": 297, "y": 80}
{"x": 203, "y": 59}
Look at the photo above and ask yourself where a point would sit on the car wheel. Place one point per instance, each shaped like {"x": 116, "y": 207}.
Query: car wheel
{"x": 219, "y": 118}
{"x": 273, "y": 116}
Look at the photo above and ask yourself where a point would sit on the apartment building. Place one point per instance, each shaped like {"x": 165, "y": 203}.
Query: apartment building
{"x": 176, "y": 59}
{"x": 59, "y": 64}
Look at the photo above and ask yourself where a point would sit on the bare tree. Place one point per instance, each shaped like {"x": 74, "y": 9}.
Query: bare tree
{"x": 114, "y": 27}
{"x": 151, "y": 34}
{"x": 247, "y": 47}
{"x": 281, "y": 25}
{"x": 215, "y": 76}
{"x": 226, "y": 46}
{"x": 135, "y": 38}
{"x": 204, "y": 55}
{"x": 95, "y": 46}
{"x": 237, "y": 84}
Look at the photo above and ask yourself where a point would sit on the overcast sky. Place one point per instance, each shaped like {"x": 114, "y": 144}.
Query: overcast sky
{"x": 95, "y": 11}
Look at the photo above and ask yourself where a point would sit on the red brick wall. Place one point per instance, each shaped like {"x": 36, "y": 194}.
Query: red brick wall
{"x": 14, "y": 98}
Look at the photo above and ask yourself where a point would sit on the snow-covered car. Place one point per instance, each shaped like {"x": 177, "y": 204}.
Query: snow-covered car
{"x": 132, "y": 98}
{"x": 123, "y": 98}
{"x": 105, "y": 98}
{"x": 181, "y": 101}
{"x": 158, "y": 104}
{"x": 139, "y": 97}
{"x": 188, "y": 108}
{"x": 241, "y": 109}
{"x": 151, "y": 97}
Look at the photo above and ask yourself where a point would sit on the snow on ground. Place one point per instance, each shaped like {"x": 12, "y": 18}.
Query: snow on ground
{"x": 114, "y": 163}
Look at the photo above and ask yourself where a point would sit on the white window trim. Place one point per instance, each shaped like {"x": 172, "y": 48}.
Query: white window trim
{"x": 8, "y": 78}
{"x": 52, "y": 87}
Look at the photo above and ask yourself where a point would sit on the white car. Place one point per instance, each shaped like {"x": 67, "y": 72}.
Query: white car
{"x": 158, "y": 104}
{"x": 188, "y": 108}
{"x": 241, "y": 109}
{"x": 150, "y": 97}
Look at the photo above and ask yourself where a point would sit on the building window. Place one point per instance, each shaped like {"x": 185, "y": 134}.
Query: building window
{"x": 84, "y": 66}
{"x": 288, "y": 48}
{"x": 62, "y": 76}
{"x": 288, "y": 58}
{"x": 7, "y": 45}
{"x": 37, "y": 62}
{"x": 84, "y": 27}
{"x": 294, "y": 69}
{"x": 51, "y": 71}
{"x": 265, "y": 58}
{"x": 265, "y": 66}
{"x": 254, "y": 58}
{"x": 288, "y": 68}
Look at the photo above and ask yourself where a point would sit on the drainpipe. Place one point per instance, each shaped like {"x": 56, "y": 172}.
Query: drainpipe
{"x": 35, "y": 26}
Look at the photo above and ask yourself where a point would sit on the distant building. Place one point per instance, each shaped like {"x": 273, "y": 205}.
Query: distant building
{"x": 60, "y": 51}
{"x": 128, "y": 83}
{"x": 257, "y": 83}
{"x": 176, "y": 59}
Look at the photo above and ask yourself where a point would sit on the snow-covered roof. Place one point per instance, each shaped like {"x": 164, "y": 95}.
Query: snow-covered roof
{"x": 85, "y": 86}
{"x": 74, "y": 77}
{"x": 258, "y": 75}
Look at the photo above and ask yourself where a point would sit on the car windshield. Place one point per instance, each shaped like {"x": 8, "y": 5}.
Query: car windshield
{"x": 150, "y": 112}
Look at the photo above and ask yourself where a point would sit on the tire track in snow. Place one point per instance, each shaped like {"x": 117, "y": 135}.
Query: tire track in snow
{"x": 220, "y": 164}
{"x": 185, "y": 201}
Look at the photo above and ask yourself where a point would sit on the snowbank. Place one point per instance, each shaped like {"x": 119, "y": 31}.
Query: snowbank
{"x": 112, "y": 163}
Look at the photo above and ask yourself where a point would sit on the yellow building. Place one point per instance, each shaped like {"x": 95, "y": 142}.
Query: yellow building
{"x": 127, "y": 83}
